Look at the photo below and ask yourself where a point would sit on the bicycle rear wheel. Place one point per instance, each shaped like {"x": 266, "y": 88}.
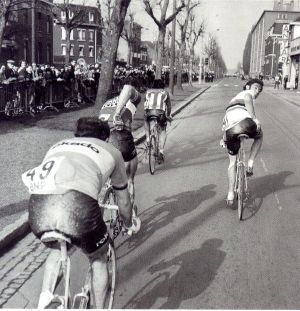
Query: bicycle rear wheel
{"x": 112, "y": 276}
{"x": 241, "y": 190}
{"x": 152, "y": 154}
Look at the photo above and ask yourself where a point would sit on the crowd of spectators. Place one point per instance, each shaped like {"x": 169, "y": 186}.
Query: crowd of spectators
{"x": 75, "y": 78}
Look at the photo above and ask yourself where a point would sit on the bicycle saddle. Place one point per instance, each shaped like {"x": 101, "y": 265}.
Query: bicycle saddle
{"x": 53, "y": 236}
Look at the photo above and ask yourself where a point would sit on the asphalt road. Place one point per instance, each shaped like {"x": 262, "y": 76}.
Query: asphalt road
{"x": 192, "y": 252}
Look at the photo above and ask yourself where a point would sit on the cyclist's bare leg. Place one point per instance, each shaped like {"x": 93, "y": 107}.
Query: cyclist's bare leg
{"x": 131, "y": 168}
{"x": 99, "y": 276}
{"x": 254, "y": 150}
{"x": 231, "y": 178}
{"x": 147, "y": 130}
{"x": 162, "y": 139}
{"x": 49, "y": 278}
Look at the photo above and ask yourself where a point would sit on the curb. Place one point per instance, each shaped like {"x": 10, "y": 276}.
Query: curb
{"x": 20, "y": 228}
{"x": 185, "y": 103}
{"x": 14, "y": 231}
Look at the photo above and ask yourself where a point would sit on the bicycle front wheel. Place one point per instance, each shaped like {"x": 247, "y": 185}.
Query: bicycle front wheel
{"x": 152, "y": 154}
{"x": 112, "y": 276}
{"x": 241, "y": 190}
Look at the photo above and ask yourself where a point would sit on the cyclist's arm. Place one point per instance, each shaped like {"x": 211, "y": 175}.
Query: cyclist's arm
{"x": 119, "y": 182}
{"x": 168, "y": 104}
{"x": 128, "y": 93}
{"x": 249, "y": 105}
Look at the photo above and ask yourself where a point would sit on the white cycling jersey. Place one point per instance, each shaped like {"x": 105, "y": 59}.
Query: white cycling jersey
{"x": 237, "y": 111}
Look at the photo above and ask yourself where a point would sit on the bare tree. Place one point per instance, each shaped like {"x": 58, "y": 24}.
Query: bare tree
{"x": 183, "y": 36}
{"x": 129, "y": 35}
{"x": 162, "y": 27}
{"x": 69, "y": 16}
{"x": 193, "y": 34}
{"x": 108, "y": 60}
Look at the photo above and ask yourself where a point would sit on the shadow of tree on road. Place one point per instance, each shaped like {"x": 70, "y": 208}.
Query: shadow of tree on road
{"x": 166, "y": 211}
{"x": 189, "y": 280}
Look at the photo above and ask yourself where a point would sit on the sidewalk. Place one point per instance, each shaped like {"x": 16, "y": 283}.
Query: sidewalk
{"x": 26, "y": 143}
{"x": 291, "y": 96}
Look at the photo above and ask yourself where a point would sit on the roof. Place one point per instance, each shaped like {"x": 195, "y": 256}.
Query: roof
{"x": 271, "y": 11}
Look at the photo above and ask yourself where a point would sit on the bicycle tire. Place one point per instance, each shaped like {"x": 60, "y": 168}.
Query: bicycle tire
{"x": 152, "y": 154}
{"x": 112, "y": 276}
{"x": 241, "y": 190}
{"x": 111, "y": 217}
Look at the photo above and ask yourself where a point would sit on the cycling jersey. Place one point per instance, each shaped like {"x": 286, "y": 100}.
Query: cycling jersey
{"x": 82, "y": 164}
{"x": 237, "y": 111}
{"x": 127, "y": 113}
{"x": 157, "y": 99}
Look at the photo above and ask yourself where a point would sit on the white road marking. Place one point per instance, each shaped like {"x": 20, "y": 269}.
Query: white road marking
{"x": 264, "y": 165}
{"x": 236, "y": 85}
{"x": 274, "y": 192}
{"x": 226, "y": 84}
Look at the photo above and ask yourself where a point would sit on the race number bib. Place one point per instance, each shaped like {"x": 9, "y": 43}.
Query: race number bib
{"x": 41, "y": 179}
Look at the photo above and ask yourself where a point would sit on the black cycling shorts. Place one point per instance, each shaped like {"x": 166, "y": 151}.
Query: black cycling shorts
{"x": 160, "y": 115}
{"x": 246, "y": 126}
{"x": 124, "y": 142}
{"x": 74, "y": 214}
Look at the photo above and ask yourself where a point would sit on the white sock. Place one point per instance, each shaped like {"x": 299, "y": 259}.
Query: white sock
{"x": 250, "y": 163}
{"x": 230, "y": 196}
{"x": 45, "y": 298}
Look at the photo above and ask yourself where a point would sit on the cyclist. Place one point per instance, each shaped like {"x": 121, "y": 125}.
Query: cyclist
{"x": 158, "y": 104}
{"x": 240, "y": 118}
{"x": 119, "y": 112}
{"x": 64, "y": 197}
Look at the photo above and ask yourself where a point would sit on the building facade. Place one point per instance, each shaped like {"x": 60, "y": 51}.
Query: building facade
{"x": 294, "y": 54}
{"x": 28, "y": 34}
{"x": 86, "y": 39}
{"x": 259, "y": 35}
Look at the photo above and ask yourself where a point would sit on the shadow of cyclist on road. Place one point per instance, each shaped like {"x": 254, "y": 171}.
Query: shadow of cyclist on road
{"x": 181, "y": 278}
{"x": 166, "y": 211}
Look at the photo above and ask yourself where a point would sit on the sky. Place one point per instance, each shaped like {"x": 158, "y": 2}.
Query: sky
{"x": 229, "y": 20}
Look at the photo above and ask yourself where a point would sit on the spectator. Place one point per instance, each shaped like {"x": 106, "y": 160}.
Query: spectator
{"x": 22, "y": 74}
{"x": 296, "y": 81}
{"x": 285, "y": 81}
{"x": 2, "y": 74}
{"x": 9, "y": 72}
{"x": 277, "y": 82}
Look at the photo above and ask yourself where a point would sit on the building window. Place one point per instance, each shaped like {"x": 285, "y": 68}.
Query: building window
{"x": 63, "y": 49}
{"x": 25, "y": 49}
{"x": 81, "y": 34}
{"x": 63, "y": 33}
{"x": 72, "y": 50}
{"x": 71, "y": 14}
{"x": 91, "y": 35}
{"x": 91, "y": 16}
{"x": 39, "y": 21}
{"x": 40, "y": 52}
{"x": 48, "y": 24}
{"x": 72, "y": 35}
{"x": 81, "y": 48}
{"x": 91, "y": 51}
{"x": 63, "y": 15}
{"x": 48, "y": 53}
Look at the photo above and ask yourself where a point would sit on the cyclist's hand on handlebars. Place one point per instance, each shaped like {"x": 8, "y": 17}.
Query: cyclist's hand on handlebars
{"x": 118, "y": 122}
{"x": 169, "y": 118}
{"x": 257, "y": 124}
{"x": 135, "y": 226}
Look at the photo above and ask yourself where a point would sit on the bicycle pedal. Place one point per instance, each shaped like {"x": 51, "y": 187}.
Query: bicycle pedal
{"x": 81, "y": 300}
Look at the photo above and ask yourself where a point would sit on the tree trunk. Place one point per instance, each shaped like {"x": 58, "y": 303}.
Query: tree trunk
{"x": 180, "y": 66}
{"x": 129, "y": 52}
{"x": 110, "y": 49}
{"x": 160, "y": 51}
{"x": 68, "y": 46}
{"x": 191, "y": 67}
{"x": 4, "y": 5}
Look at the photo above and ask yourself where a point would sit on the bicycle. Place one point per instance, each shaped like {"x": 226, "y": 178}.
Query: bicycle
{"x": 241, "y": 185}
{"x": 153, "y": 146}
{"x": 82, "y": 299}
